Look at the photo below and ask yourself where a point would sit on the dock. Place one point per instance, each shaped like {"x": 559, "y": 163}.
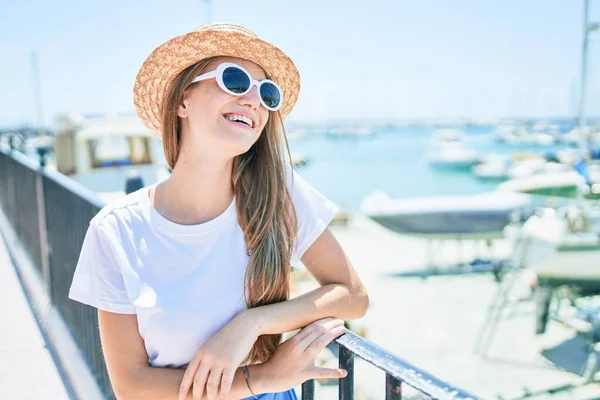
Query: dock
{"x": 27, "y": 368}
{"x": 434, "y": 322}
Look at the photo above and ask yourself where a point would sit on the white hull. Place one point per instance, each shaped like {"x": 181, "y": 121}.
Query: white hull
{"x": 548, "y": 246}
{"x": 481, "y": 216}
{"x": 540, "y": 182}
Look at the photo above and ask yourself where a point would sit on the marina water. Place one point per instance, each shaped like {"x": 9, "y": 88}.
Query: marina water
{"x": 395, "y": 161}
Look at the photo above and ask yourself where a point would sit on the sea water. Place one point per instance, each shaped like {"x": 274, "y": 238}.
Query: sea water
{"x": 394, "y": 161}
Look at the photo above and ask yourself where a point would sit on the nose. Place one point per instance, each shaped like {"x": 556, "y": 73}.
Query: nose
{"x": 252, "y": 98}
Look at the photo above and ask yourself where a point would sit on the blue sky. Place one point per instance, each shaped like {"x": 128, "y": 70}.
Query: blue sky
{"x": 372, "y": 59}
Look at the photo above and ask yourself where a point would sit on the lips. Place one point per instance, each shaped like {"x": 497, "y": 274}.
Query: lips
{"x": 240, "y": 119}
{"x": 241, "y": 125}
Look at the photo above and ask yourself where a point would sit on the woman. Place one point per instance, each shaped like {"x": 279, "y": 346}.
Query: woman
{"x": 191, "y": 276}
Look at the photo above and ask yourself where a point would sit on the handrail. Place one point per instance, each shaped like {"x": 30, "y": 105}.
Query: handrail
{"x": 60, "y": 179}
{"x": 401, "y": 369}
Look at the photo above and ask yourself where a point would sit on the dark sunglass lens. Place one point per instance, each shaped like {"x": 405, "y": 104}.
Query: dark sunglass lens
{"x": 270, "y": 95}
{"x": 236, "y": 80}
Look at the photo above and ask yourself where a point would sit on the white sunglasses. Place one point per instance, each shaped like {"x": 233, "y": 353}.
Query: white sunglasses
{"x": 236, "y": 81}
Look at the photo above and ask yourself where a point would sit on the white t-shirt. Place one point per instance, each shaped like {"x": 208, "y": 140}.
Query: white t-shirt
{"x": 184, "y": 282}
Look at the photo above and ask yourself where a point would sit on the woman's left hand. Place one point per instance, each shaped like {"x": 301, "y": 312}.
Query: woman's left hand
{"x": 215, "y": 363}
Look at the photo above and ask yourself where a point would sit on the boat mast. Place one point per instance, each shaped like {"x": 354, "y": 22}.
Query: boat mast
{"x": 587, "y": 29}
{"x": 37, "y": 94}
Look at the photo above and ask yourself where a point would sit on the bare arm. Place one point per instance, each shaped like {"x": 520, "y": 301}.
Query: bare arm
{"x": 341, "y": 295}
{"x": 131, "y": 375}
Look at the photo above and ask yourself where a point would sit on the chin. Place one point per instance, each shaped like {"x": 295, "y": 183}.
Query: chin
{"x": 236, "y": 141}
{"x": 239, "y": 146}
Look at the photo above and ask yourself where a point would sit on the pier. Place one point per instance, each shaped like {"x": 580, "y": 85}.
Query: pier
{"x": 44, "y": 216}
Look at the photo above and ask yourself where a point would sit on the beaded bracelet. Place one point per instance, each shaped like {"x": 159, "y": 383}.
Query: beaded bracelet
{"x": 247, "y": 377}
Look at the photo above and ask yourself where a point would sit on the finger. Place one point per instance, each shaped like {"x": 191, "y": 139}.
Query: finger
{"x": 328, "y": 373}
{"x": 315, "y": 326}
{"x": 321, "y": 342}
{"x": 315, "y": 332}
{"x": 188, "y": 378}
{"x": 227, "y": 381}
{"x": 212, "y": 383}
{"x": 200, "y": 382}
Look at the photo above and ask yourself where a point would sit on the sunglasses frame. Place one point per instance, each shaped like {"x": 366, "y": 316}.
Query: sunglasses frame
{"x": 218, "y": 75}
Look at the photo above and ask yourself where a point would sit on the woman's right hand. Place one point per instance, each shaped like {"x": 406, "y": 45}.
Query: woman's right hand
{"x": 294, "y": 361}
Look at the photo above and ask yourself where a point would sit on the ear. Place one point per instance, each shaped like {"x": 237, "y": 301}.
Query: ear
{"x": 182, "y": 108}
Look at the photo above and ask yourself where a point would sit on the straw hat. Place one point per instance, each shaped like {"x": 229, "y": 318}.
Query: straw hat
{"x": 215, "y": 39}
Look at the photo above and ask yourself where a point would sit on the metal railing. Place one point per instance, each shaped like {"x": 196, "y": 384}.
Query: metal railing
{"x": 54, "y": 240}
{"x": 397, "y": 371}
{"x": 50, "y": 214}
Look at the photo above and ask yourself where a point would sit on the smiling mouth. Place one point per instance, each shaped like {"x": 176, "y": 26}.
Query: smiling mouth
{"x": 241, "y": 120}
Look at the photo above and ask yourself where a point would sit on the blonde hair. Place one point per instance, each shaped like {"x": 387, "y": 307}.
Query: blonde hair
{"x": 265, "y": 210}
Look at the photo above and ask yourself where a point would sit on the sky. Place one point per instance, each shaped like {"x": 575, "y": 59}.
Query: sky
{"x": 358, "y": 60}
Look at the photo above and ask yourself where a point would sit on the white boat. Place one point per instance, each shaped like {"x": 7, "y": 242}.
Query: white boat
{"x": 541, "y": 134}
{"x": 481, "y": 216}
{"x": 566, "y": 156}
{"x": 526, "y": 168}
{"x": 559, "y": 183}
{"x": 493, "y": 167}
{"x": 543, "y": 139}
{"x": 573, "y": 136}
{"x": 545, "y": 127}
{"x": 562, "y": 247}
{"x": 450, "y": 150}
{"x": 103, "y": 152}
{"x": 506, "y": 133}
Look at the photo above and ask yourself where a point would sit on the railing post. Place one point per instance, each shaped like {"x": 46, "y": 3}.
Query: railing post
{"x": 393, "y": 388}
{"x": 399, "y": 371}
{"x": 308, "y": 390}
{"x": 347, "y": 383}
{"x": 41, "y": 206}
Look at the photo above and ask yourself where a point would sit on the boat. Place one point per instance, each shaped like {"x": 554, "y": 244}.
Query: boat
{"x": 450, "y": 150}
{"x": 479, "y": 217}
{"x": 493, "y": 167}
{"x": 519, "y": 165}
{"x": 540, "y": 134}
{"x": 562, "y": 248}
{"x": 573, "y": 137}
{"x": 103, "y": 152}
{"x": 508, "y": 133}
{"x": 526, "y": 168}
{"x": 563, "y": 243}
{"x": 566, "y": 184}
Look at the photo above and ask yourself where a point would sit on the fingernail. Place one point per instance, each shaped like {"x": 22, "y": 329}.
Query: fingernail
{"x": 344, "y": 373}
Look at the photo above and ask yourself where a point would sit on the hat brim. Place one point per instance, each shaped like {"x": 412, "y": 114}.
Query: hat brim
{"x": 169, "y": 59}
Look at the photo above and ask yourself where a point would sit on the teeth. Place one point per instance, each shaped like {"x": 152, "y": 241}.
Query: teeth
{"x": 240, "y": 118}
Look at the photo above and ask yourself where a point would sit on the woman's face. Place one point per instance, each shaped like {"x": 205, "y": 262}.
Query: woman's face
{"x": 206, "y": 112}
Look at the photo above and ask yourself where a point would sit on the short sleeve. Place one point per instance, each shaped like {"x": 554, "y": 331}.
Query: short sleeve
{"x": 98, "y": 280}
{"x": 314, "y": 212}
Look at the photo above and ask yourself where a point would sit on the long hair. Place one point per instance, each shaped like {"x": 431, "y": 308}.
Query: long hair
{"x": 265, "y": 210}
